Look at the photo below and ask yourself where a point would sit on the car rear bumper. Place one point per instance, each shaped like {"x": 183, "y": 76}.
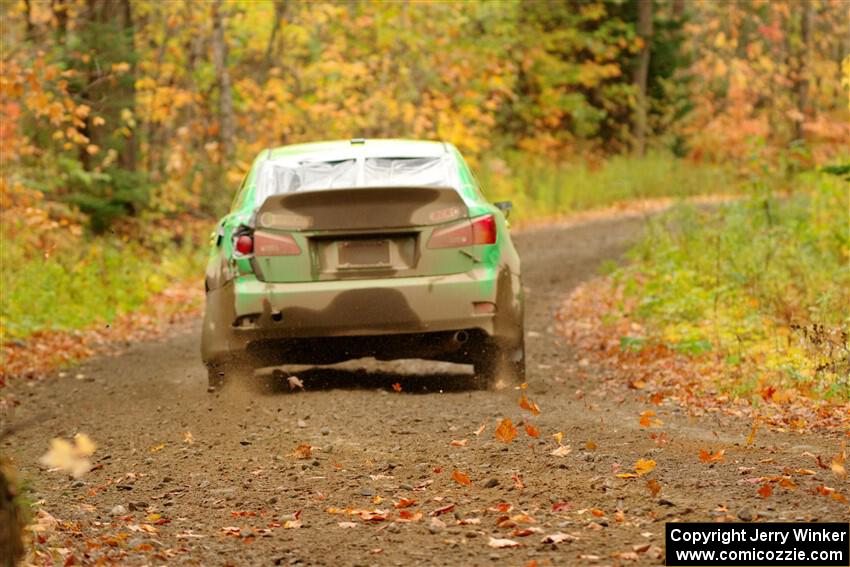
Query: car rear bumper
{"x": 247, "y": 310}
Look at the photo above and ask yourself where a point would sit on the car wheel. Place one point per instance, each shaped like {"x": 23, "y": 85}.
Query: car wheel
{"x": 218, "y": 375}
{"x": 499, "y": 362}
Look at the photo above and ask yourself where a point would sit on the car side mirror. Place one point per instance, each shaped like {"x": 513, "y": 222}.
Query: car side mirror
{"x": 505, "y": 206}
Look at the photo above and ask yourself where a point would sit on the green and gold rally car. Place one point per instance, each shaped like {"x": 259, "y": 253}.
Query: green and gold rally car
{"x": 363, "y": 248}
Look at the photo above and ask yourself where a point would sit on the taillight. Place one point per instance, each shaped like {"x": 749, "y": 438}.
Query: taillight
{"x": 244, "y": 245}
{"x": 267, "y": 244}
{"x": 481, "y": 230}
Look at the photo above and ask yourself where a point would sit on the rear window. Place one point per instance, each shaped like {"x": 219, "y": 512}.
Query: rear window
{"x": 278, "y": 177}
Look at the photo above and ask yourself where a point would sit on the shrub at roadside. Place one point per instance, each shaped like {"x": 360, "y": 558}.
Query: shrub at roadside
{"x": 749, "y": 302}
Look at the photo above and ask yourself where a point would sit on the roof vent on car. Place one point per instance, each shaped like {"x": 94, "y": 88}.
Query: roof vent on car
{"x": 358, "y": 141}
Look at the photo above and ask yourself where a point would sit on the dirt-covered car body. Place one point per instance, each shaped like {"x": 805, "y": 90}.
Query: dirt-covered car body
{"x": 346, "y": 249}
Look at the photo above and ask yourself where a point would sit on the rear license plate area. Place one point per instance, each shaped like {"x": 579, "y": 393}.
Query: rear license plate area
{"x": 363, "y": 253}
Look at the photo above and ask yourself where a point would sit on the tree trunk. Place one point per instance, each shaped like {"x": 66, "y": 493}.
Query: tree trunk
{"x": 280, "y": 9}
{"x": 225, "y": 93}
{"x": 644, "y": 30}
{"x": 803, "y": 69}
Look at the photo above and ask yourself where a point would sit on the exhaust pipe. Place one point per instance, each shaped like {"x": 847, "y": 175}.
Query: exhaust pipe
{"x": 459, "y": 338}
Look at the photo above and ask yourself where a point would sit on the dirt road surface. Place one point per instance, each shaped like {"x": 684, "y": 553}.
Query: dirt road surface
{"x": 225, "y": 497}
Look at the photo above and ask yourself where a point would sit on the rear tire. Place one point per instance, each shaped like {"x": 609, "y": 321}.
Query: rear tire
{"x": 497, "y": 362}
{"x": 218, "y": 375}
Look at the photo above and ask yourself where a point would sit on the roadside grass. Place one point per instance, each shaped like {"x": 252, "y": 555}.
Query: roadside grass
{"x": 762, "y": 284}
{"x": 52, "y": 280}
{"x": 540, "y": 188}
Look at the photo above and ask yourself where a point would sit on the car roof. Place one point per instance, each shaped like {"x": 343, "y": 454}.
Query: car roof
{"x": 357, "y": 148}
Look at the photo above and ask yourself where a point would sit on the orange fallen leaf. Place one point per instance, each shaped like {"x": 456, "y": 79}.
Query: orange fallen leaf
{"x": 709, "y": 457}
{"x": 654, "y": 487}
{"x": 644, "y": 466}
{"x": 656, "y": 398}
{"x": 459, "y": 443}
{"x": 597, "y": 512}
{"x": 765, "y": 491}
{"x": 397, "y": 387}
{"x": 404, "y": 503}
{"x": 531, "y": 430}
{"x": 303, "y": 451}
{"x": 408, "y": 516}
{"x": 837, "y": 464}
{"x": 461, "y": 478}
{"x": 444, "y": 510}
{"x": 752, "y": 436}
{"x": 527, "y": 404}
{"x": 648, "y": 419}
{"x": 518, "y": 484}
{"x": 590, "y": 446}
{"x": 506, "y": 432}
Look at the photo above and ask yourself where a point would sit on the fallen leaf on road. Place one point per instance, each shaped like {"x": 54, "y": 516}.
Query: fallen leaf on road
{"x": 404, "y": 503}
{"x": 837, "y": 465}
{"x": 518, "y": 484}
{"x": 188, "y": 438}
{"x": 71, "y": 458}
{"x": 408, "y": 516}
{"x": 480, "y": 430}
{"x": 561, "y": 451}
{"x": 459, "y": 443}
{"x": 765, "y": 491}
{"x": 561, "y": 507}
{"x": 303, "y": 451}
{"x": 294, "y": 382}
{"x": 752, "y": 436}
{"x": 527, "y": 404}
{"x": 461, "y": 478}
{"x": 531, "y": 431}
{"x": 597, "y": 512}
{"x": 648, "y": 419}
{"x": 590, "y": 446}
{"x": 558, "y": 437}
{"x": 558, "y": 537}
{"x": 346, "y": 525}
{"x": 644, "y": 466}
{"x": 501, "y": 543}
{"x": 157, "y": 448}
{"x": 654, "y": 487}
{"x": 397, "y": 387}
{"x": 709, "y": 457}
{"x": 506, "y": 432}
{"x": 443, "y": 510}
{"x": 627, "y": 475}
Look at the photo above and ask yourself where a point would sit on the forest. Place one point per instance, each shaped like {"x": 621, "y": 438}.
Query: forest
{"x": 126, "y": 127}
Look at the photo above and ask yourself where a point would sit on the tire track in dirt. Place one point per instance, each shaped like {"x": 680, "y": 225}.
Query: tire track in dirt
{"x": 371, "y": 442}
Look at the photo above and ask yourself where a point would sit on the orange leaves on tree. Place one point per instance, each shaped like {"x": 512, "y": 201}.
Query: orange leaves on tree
{"x": 709, "y": 457}
{"x": 531, "y": 430}
{"x": 648, "y": 419}
{"x": 506, "y": 432}
{"x": 461, "y": 478}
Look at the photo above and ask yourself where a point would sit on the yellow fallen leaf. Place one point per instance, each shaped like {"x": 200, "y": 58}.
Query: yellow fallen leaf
{"x": 644, "y": 466}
